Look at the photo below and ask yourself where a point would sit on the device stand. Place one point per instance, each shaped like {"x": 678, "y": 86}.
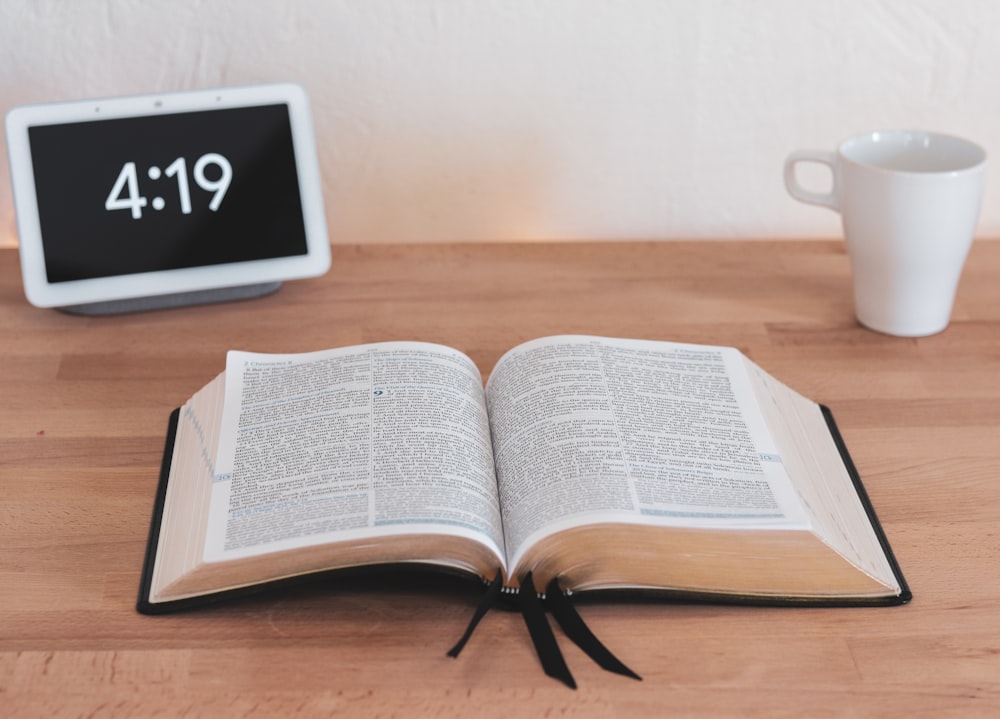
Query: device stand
{"x": 180, "y": 299}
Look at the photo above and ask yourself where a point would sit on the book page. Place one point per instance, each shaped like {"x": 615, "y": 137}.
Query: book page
{"x": 351, "y": 443}
{"x": 825, "y": 486}
{"x": 589, "y": 429}
{"x": 185, "y": 509}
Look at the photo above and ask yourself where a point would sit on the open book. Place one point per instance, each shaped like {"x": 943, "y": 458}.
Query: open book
{"x": 607, "y": 464}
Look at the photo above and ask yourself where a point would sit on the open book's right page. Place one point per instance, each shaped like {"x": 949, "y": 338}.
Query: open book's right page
{"x": 591, "y": 429}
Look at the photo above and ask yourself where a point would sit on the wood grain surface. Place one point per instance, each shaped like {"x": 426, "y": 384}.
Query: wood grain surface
{"x": 83, "y": 409}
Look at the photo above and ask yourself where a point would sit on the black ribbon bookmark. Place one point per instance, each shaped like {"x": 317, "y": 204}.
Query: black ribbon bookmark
{"x": 533, "y": 608}
{"x": 485, "y": 604}
{"x": 541, "y": 633}
{"x": 575, "y": 628}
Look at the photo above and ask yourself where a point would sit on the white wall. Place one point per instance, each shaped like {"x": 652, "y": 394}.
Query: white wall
{"x": 486, "y": 119}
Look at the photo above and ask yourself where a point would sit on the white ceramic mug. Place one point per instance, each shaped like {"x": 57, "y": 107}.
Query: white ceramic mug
{"x": 909, "y": 202}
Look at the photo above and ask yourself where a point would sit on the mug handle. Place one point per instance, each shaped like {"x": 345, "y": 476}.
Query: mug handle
{"x": 802, "y": 194}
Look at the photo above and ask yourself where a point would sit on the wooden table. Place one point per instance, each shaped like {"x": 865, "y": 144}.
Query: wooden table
{"x": 84, "y": 405}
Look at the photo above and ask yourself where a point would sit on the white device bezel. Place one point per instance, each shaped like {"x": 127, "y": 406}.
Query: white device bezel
{"x": 42, "y": 293}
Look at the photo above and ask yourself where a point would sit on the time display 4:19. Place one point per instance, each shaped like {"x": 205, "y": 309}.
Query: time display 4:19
{"x": 125, "y": 193}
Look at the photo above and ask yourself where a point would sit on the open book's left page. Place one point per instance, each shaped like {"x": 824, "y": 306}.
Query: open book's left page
{"x": 354, "y": 442}
{"x": 363, "y": 455}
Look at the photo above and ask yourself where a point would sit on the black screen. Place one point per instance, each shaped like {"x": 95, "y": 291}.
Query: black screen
{"x": 79, "y": 167}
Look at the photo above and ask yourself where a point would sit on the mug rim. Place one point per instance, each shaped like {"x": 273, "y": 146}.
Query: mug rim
{"x": 977, "y": 155}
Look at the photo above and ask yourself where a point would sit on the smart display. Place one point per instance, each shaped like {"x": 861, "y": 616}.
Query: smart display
{"x": 162, "y": 195}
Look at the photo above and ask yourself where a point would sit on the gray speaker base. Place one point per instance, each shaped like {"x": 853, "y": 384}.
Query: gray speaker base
{"x": 180, "y": 299}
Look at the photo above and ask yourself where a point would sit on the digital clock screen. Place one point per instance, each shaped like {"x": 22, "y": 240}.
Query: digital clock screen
{"x": 162, "y": 192}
